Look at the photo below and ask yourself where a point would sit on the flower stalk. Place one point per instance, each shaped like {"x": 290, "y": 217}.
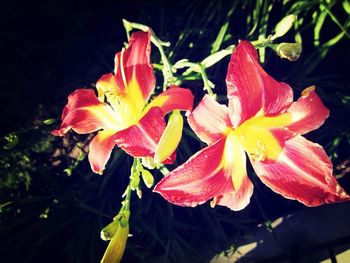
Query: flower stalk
{"x": 118, "y": 230}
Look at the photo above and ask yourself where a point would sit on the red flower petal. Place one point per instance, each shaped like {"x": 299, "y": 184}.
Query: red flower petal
{"x": 250, "y": 89}
{"x": 237, "y": 200}
{"x": 308, "y": 113}
{"x": 209, "y": 120}
{"x": 133, "y": 69}
{"x": 84, "y": 113}
{"x": 208, "y": 174}
{"x": 197, "y": 180}
{"x": 141, "y": 139}
{"x": 302, "y": 172}
{"x": 100, "y": 150}
{"x": 174, "y": 98}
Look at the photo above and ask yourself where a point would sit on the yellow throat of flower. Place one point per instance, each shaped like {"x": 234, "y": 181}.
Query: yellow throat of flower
{"x": 256, "y": 137}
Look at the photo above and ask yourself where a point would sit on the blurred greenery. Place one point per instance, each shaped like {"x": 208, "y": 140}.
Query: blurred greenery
{"x": 53, "y": 207}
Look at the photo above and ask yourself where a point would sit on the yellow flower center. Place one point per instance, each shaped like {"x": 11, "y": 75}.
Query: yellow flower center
{"x": 256, "y": 137}
{"x": 129, "y": 105}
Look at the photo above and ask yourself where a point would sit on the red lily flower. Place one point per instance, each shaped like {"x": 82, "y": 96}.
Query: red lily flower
{"x": 120, "y": 112}
{"x": 263, "y": 121}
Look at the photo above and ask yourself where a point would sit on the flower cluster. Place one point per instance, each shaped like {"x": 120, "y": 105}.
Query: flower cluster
{"x": 261, "y": 123}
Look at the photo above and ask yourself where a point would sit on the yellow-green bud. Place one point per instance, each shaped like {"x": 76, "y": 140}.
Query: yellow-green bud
{"x": 109, "y": 231}
{"x": 148, "y": 162}
{"x": 116, "y": 246}
{"x": 147, "y": 178}
{"x": 170, "y": 138}
{"x": 124, "y": 221}
{"x": 139, "y": 193}
{"x": 283, "y": 26}
{"x": 135, "y": 181}
{"x": 290, "y": 51}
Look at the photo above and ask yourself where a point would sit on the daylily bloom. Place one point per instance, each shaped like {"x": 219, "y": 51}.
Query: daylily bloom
{"x": 121, "y": 112}
{"x": 263, "y": 123}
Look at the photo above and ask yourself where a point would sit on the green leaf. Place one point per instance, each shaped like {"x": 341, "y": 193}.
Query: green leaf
{"x": 301, "y": 6}
{"x": 317, "y": 30}
{"x": 45, "y": 213}
{"x": 2, "y": 206}
{"x": 220, "y": 37}
{"x": 12, "y": 140}
{"x": 49, "y": 121}
{"x": 334, "y": 40}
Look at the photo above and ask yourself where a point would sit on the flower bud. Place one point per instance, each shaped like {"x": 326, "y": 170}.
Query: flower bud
{"x": 147, "y": 178}
{"x": 116, "y": 246}
{"x": 124, "y": 219}
{"x": 117, "y": 232}
{"x": 170, "y": 138}
{"x": 109, "y": 231}
{"x": 139, "y": 192}
{"x": 283, "y": 26}
{"x": 135, "y": 180}
{"x": 148, "y": 162}
{"x": 290, "y": 51}
{"x": 215, "y": 57}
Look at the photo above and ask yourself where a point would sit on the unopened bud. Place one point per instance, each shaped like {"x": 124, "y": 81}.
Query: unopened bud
{"x": 109, "y": 231}
{"x": 283, "y": 26}
{"x": 116, "y": 246}
{"x": 170, "y": 138}
{"x": 135, "y": 181}
{"x": 290, "y": 51}
{"x": 148, "y": 162}
{"x": 147, "y": 178}
{"x": 139, "y": 193}
{"x": 124, "y": 221}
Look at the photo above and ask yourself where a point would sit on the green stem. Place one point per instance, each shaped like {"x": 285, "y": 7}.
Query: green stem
{"x": 125, "y": 203}
{"x": 127, "y": 192}
{"x": 262, "y": 42}
{"x": 163, "y": 170}
{"x": 198, "y": 68}
{"x": 127, "y": 198}
{"x": 205, "y": 79}
{"x": 167, "y": 70}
